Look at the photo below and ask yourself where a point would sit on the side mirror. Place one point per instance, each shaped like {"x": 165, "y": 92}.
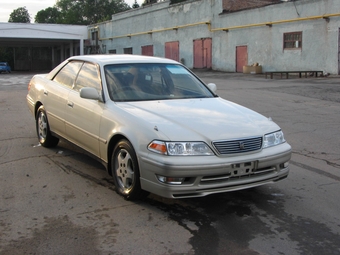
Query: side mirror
{"x": 212, "y": 87}
{"x": 89, "y": 93}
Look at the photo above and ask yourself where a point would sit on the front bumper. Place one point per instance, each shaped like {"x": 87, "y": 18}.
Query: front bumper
{"x": 211, "y": 174}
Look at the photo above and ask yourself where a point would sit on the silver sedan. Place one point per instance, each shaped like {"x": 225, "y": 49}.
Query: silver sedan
{"x": 156, "y": 127}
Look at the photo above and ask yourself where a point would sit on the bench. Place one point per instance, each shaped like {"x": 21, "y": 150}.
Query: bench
{"x": 291, "y": 72}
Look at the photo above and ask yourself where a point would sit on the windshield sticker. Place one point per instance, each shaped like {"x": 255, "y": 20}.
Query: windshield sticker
{"x": 176, "y": 69}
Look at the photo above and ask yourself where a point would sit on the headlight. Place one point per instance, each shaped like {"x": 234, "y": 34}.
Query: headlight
{"x": 273, "y": 139}
{"x": 180, "y": 148}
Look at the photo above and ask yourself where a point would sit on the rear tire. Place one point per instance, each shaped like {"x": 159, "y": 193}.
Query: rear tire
{"x": 125, "y": 171}
{"x": 45, "y": 137}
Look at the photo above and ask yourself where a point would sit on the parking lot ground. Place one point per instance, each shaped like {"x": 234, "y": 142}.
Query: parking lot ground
{"x": 60, "y": 201}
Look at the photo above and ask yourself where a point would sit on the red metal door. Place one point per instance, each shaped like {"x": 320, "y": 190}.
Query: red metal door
{"x": 241, "y": 58}
{"x": 172, "y": 50}
{"x": 203, "y": 53}
{"x": 147, "y": 50}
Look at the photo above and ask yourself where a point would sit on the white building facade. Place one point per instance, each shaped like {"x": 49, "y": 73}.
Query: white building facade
{"x": 293, "y": 35}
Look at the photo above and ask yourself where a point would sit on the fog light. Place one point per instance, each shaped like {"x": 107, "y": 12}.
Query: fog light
{"x": 171, "y": 180}
{"x": 284, "y": 165}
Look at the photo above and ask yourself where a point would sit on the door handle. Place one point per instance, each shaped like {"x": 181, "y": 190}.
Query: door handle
{"x": 45, "y": 93}
{"x": 70, "y": 104}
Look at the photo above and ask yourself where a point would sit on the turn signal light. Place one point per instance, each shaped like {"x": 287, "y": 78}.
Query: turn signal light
{"x": 158, "y": 146}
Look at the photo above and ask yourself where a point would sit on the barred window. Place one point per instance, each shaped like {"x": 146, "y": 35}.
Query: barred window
{"x": 292, "y": 40}
{"x": 127, "y": 50}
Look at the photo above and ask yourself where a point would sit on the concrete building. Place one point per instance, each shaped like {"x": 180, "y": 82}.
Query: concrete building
{"x": 223, "y": 35}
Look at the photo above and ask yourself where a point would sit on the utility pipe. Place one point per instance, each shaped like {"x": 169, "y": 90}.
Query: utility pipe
{"x": 326, "y": 16}
{"x": 158, "y": 30}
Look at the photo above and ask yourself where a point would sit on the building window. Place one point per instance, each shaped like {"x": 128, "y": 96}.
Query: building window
{"x": 127, "y": 50}
{"x": 112, "y": 51}
{"x": 292, "y": 40}
{"x": 94, "y": 35}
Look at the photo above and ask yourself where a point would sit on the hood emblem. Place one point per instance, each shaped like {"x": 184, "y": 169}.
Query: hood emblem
{"x": 242, "y": 145}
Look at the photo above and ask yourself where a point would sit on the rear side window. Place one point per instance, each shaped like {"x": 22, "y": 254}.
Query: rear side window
{"x": 67, "y": 75}
{"x": 88, "y": 77}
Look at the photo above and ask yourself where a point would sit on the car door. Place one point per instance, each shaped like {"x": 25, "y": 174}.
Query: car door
{"x": 56, "y": 94}
{"x": 82, "y": 117}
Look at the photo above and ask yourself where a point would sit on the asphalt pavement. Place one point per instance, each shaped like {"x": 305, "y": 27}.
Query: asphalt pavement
{"x": 60, "y": 201}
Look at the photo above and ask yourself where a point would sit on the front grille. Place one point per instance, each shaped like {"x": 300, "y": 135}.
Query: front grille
{"x": 238, "y": 146}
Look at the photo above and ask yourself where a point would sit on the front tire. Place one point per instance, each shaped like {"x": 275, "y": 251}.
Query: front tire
{"x": 45, "y": 137}
{"x": 125, "y": 171}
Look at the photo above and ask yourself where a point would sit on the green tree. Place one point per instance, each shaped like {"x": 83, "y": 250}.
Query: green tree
{"x": 85, "y": 12}
{"x": 135, "y": 5}
{"x": 71, "y": 12}
{"x": 101, "y": 10}
{"x": 50, "y": 15}
{"x": 176, "y": 1}
{"x": 147, "y": 2}
{"x": 20, "y": 15}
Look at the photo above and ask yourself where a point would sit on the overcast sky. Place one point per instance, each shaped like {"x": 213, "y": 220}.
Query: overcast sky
{"x": 33, "y": 6}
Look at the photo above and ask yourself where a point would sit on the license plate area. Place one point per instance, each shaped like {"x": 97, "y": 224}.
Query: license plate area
{"x": 241, "y": 169}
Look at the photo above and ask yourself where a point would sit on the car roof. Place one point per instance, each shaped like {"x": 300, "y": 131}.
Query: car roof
{"x": 122, "y": 59}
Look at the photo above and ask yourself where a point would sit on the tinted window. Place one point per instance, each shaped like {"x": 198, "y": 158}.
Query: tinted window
{"x": 67, "y": 75}
{"x": 88, "y": 77}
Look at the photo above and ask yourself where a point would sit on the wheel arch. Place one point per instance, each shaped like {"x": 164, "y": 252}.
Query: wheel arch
{"x": 36, "y": 107}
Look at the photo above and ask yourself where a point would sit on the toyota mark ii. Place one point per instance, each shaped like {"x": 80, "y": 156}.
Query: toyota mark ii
{"x": 156, "y": 126}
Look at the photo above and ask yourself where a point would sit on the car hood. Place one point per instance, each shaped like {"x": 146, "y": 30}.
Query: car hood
{"x": 197, "y": 119}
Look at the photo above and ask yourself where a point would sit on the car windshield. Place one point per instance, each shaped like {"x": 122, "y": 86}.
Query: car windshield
{"x": 139, "y": 82}
{"x": 3, "y": 64}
